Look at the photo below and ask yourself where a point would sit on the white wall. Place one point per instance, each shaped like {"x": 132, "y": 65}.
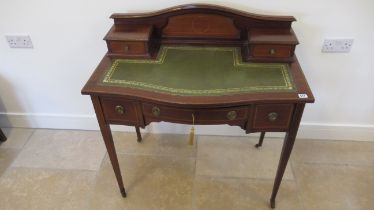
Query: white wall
{"x": 40, "y": 87}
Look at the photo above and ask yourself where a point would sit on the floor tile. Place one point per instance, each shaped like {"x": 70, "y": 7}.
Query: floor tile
{"x": 151, "y": 182}
{"x": 242, "y": 194}
{"x": 222, "y": 156}
{"x": 154, "y": 144}
{"x": 340, "y": 187}
{"x": 7, "y": 156}
{"x": 336, "y": 152}
{"x": 62, "y": 149}
{"x": 43, "y": 189}
{"x": 16, "y": 137}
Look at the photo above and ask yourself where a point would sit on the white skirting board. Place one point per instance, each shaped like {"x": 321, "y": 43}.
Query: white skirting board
{"x": 328, "y": 131}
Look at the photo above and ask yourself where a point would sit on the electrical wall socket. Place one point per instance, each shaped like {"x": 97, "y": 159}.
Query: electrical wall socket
{"x": 337, "y": 45}
{"x": 19, "y": 41}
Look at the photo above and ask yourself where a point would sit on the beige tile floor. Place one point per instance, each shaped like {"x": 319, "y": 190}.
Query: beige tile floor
{"x": 64, "y": 169}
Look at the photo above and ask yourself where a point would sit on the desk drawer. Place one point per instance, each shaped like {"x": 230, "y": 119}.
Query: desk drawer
{"x": 154, "y": 112}
{"x": 120, "y": 111}
{"x": 272, "y": 51}
{"x": 274, "y": 117}
{"x": 127, "y": 47}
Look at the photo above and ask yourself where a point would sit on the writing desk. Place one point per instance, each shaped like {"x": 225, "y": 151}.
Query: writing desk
{"x": 200, "y": 64}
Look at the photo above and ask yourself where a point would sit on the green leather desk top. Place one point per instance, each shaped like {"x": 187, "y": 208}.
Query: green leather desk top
{"x": 199, "y": 71}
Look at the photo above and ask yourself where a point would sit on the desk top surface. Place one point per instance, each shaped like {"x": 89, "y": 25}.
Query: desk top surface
{"x": 199, "y": 71}
{"x": 199, "y": 76}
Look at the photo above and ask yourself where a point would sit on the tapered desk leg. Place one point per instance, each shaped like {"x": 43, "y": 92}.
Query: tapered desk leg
{"x": 259, "y": 144}
{"x": 2, "y": 136}
{"x": 109, "y": 144}
{"x": 286, "y": 150}
{"x": 138, "y": 134}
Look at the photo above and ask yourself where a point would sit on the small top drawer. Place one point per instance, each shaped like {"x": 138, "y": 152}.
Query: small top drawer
{"x": 271, "y": 45}
{"x": 273, "y": 117}
{"x": 272, "y": 51}
{"x": 127, "y": 47}
{"x": 120, "y": 111}
{"x": 156, "y": 112}
{"x": 132, "y": 41}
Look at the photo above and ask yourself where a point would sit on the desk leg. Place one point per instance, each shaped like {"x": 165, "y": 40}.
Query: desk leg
{"x": 286, "y": 150}
{"x": 262, "y": 136}
{"x": 138, "y": 134}
{"x": 108, "y": 140}
{"x": 2, "y": 136}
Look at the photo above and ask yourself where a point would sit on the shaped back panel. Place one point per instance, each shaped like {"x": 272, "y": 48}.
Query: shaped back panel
{"x": 199, "y": 25}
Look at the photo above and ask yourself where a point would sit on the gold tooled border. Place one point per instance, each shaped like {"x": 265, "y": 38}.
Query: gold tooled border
{"x": 178, "y": 91}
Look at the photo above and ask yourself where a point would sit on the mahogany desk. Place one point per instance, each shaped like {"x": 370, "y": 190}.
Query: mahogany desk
{"x": 210, "y": 63}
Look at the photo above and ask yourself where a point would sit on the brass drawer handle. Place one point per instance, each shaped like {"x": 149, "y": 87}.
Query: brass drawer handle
{"x": 272, "y": 52}
{"x": 231, "y": 115}
{"x": 119, "y": 109}
{"x": 126, "y": 48}
{"x": 272, "y": 116}
{"x": 156, "y": 111}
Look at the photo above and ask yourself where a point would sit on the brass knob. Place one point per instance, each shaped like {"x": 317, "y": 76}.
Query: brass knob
{"x": 231, "y": 115}
{"x": 272, "y": 51}
{"x": 119, "y": 109}
{"x": 272, "y": 116}
{"x": 156, "y": 111}
{"x": 126, "y": 48}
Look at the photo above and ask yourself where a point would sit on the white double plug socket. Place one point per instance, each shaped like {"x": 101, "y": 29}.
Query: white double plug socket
{"x": 337, "y": 45}
{"x": 19, "y": 41}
